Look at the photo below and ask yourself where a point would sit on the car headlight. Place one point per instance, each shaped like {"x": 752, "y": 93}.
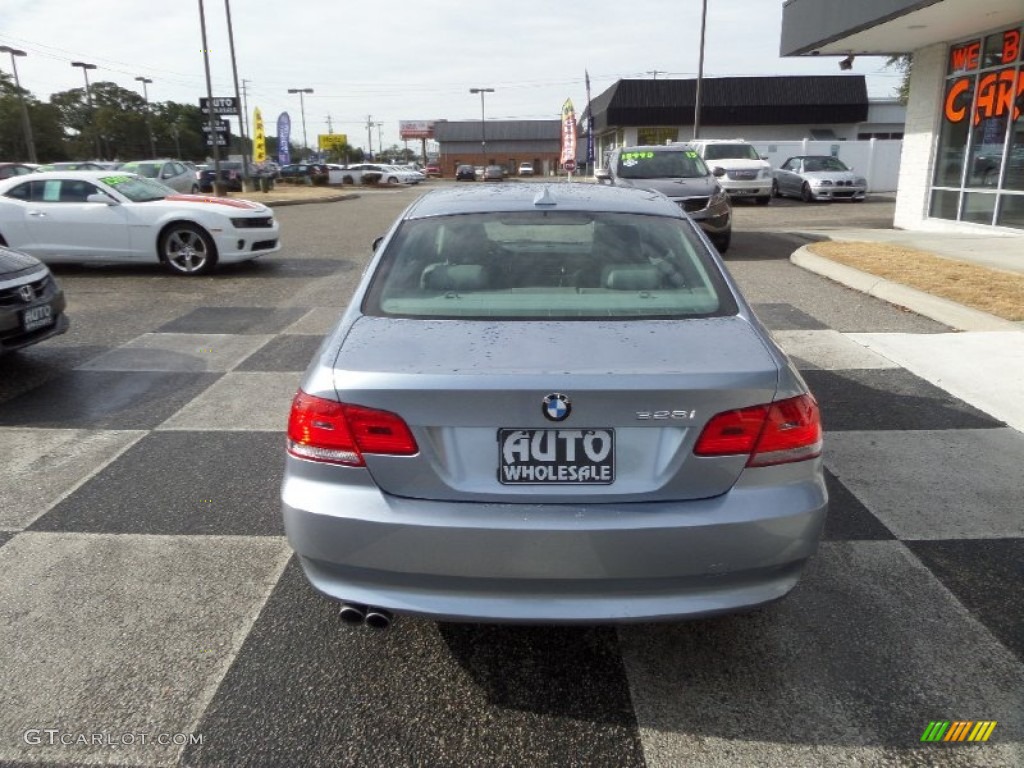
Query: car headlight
{"x": 861, "y": 182}
{"x": 766, "y": 173}
{"x": 821, "y": 183}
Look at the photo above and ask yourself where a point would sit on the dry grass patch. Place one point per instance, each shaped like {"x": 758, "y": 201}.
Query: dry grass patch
{"x": 989, "y": 290}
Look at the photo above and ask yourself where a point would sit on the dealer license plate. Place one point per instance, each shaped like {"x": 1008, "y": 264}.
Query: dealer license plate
{"x": 556, "y": 456}
{"x": 35, "y": 318}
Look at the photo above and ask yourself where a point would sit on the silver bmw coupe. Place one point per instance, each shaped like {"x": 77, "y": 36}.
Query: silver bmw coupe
{"x": 549, "y": 403}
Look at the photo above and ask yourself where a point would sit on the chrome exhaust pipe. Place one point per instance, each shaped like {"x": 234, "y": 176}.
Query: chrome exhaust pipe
{"x": 378, "y": 618}
{"x": 352, "y": 613}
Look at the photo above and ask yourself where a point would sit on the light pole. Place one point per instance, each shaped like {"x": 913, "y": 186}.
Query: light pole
{"x": 700, "y": 72}
{"x": 149, "y": 123}
{"x": 88, "y": 98}
{"x": 380, "y": 139}
{"x": 238, "y": 99}
{"x": 483, "y": 134}
{"x": 302, "y": 109}
{"x": 25, "y": 122}
{"x": 218, "y": 183}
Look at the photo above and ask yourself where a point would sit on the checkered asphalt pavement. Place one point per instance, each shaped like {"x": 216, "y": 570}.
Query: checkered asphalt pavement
{"x": 147, "y": 591}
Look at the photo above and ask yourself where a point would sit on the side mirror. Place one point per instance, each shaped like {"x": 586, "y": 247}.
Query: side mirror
{"x": 718, "y": 171}
{"x": 602, "y": 174}
{"x": 99, "y": 197}
{"x": 764, "y": 157}
{"x": 376, "y": 242}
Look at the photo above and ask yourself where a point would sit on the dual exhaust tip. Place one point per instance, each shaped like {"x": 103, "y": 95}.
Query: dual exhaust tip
{"x": 354, "y": 613}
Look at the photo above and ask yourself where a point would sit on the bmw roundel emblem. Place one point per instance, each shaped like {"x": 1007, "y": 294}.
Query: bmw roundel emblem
{"x": 556, "y": 407}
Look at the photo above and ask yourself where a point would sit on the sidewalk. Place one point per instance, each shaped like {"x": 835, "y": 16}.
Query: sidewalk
{"x": 982, "y": 361}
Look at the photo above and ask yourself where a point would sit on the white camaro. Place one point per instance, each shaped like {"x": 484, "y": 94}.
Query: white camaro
{"x": 108, "y": 216}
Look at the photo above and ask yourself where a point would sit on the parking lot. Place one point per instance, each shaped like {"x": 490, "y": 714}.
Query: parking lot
{"x": 152, "y": 614}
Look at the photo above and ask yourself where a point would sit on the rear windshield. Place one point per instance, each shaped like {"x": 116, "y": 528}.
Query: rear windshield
{"x": 545, "y": 265}
{"x": 148, "y": 170}
{"x": 661, "y": 164}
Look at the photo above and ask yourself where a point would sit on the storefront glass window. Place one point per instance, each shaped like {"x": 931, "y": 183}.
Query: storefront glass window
{"x": 945, "y": 204}
{"x": 656, "y": 135}
{"x": 980, "y": 151}
{"x": 1011, "y": 211}
{"x": 979, "y": 207}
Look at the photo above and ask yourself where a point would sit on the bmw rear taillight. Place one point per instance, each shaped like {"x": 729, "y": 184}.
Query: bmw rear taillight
{"x": 773, "y": 433}
{"x": 337, "y": 433}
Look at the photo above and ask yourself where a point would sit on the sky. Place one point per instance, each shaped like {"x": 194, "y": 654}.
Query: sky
{"x": 403, "y": 60}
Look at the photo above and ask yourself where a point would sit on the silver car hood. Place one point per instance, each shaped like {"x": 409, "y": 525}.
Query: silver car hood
{"x": 831, "y": 175}
{"x": 703, "y": 186}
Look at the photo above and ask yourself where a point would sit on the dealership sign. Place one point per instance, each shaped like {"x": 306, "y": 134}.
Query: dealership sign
{"x": 332, "y": 141}
{"x": 999, "y": 93}
{"x": 416, "y": 129}
{"x": 222, "y": 105}
{"x": 284, "y": 133}
{"x": 568, "y": 136}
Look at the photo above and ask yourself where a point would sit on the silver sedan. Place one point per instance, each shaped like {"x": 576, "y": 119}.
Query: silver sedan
{"x": 551, "y": 404}
{"x": 818, "y": 177}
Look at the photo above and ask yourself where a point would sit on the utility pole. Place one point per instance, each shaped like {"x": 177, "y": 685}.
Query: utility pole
{"x": 369, "y": 136}
{"x": 700, "y": 72}
{"x": 245, "y": 104}
{"x": 238, "y": 100}
{"x": 218, "y": 182}
{"x": 330, "y": 127}
{"x": 655, "y": 72}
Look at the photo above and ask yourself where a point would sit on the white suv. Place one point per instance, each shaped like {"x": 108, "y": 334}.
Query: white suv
{"x": 747, "y": 174}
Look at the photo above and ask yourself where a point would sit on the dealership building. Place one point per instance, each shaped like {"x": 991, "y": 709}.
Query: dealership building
{"x": 962, "y": 166}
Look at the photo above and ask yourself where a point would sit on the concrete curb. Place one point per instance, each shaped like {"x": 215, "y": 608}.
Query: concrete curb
{"x": 306, "y": 201}
{"x": 941, "y": 310}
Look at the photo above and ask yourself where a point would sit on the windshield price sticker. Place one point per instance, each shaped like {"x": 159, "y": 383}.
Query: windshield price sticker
{"x": 115, "y": 180}
{"x": 556, "y": 456}
{"x": 637, "y": 155}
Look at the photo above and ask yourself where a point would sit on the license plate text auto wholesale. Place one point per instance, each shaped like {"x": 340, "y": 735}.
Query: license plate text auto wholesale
{"x": 34, "y": 318}
{"x": 556, "y": 456}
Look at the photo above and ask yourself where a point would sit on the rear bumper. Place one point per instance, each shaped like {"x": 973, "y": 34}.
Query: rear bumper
{"x": 557, "y": 563}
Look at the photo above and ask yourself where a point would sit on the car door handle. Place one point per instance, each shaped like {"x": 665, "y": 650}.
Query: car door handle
{"x": 36, "y": 213}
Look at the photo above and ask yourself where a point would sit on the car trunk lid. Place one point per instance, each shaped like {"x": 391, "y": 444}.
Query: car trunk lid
{"x": 473, "y": 394}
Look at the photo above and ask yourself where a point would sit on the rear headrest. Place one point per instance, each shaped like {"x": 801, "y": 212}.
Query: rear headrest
{"x": 453, "y": 277}
{"x": 628, "y": 278}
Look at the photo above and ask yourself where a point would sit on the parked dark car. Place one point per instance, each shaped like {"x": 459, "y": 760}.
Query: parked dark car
{"x": 31, "y": 302}
{"x": 230, "y": 175}
{"x": 15, "y": 169}
{"x": 465, "y": 173}
{"x": 494, "y": 173}
{"x": 316, "y": 172}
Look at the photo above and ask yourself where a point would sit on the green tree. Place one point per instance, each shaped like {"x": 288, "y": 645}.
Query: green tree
{"x": 903, "y": 63}
{"x": 47, "y": 134}
{"x": 178, "y": 131}
{"x": 116, "y": 124}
